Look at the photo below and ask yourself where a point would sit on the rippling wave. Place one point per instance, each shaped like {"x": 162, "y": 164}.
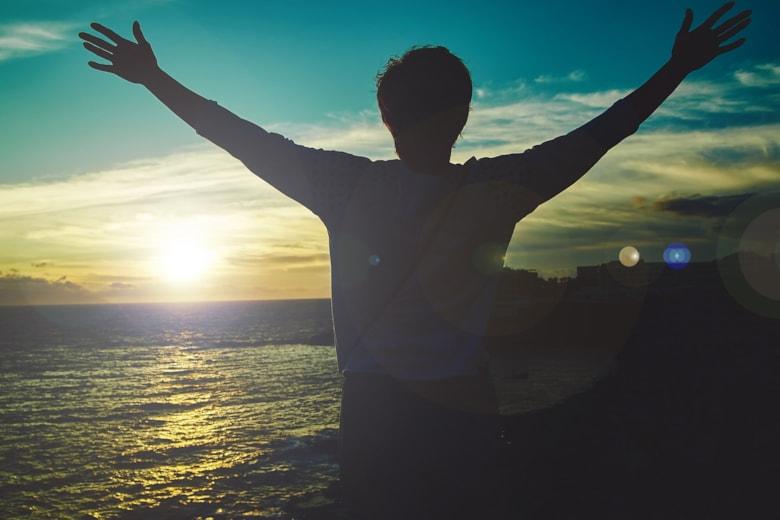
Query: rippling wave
{"x": 151, "y": 410}
{"x": 215, "y": 410}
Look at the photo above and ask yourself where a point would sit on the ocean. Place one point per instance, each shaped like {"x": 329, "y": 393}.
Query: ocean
{"x": 193, "y": 410}
{"x": 190, "y": 410}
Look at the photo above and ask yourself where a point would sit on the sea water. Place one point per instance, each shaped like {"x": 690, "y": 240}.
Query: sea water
{"x": 198, "y": 410}
{"x": 183, "y": 411}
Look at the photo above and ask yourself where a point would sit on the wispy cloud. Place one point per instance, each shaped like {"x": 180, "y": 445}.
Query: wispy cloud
{"x": 573, "y": 76}
{"x": 620, "y": 201}
{"x": 594, "y": 99}
{"x": 711, "y": 206}
{"x": 709, "y": 141}
{"x": 23, "y": 39}
{"x": 514, "y": 117}
{"x": 106, "y": 230}
{"x": 102, "y": 230}
{"x": 763, "y": 75}
{"x": 360, "y": 134}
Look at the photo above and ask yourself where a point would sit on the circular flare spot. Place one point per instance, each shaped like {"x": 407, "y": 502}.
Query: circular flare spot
{"x": 677, "y": 255}
{"x": 629, "y": 256}
{"x": 758, "y": 254}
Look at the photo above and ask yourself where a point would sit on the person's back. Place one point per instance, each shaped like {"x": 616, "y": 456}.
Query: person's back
{"x": 416, "y": 245}
{"x": 407, "y": 229}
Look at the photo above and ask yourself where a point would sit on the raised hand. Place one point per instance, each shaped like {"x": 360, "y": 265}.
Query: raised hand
{"x": 133, "y": 61}
{"x": 694, "y": 49}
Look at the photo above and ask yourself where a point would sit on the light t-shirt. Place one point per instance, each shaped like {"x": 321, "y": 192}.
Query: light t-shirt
{"x": 415, "y": 258}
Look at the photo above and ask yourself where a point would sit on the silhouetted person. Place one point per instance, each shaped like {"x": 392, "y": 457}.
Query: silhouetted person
{"x": 416, "y": 245}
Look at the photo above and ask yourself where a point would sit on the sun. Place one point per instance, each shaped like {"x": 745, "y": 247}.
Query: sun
{"x": 184, "y": 260}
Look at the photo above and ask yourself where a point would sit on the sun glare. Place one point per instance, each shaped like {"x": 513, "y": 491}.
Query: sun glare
{"x": 184, "y": 260}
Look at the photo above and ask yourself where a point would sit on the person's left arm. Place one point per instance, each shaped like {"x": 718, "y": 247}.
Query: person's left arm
{"x": 546, "y": 170}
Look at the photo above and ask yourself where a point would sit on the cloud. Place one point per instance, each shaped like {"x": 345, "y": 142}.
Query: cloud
{"x": 573, "y": 76}
{"x": 285, "y": 260}
{"x": 108, "y": 230}
{"x": 763, "y": 75}
{"x": 360, "y": 134}
{"x": 613, "y": 205}
{"x": 515, "y": 116}
{"x": 23, "y": 39}
{"x": 104, "y": 229}
{"x": 595, "y": 99}
{"x": 18, "y": 289}
{"x": 711, "y": 206}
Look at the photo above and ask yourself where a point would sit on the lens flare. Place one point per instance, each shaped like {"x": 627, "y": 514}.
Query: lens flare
{"x": 748, "y": 254}
{"x": 629, "y": 256}
{"x": 758, "y": 254}
{"x": 677, "y": 255}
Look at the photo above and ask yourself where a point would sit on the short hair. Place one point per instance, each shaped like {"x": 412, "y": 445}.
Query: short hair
{"x": 425, "y": 81}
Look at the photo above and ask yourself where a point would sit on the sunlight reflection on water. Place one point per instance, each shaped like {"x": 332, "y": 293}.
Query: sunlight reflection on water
{"x": 218, "y": 410}
{"x": 198, "y": 431}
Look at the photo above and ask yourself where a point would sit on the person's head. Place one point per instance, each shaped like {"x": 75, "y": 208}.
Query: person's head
{"x": 424, "y": 99}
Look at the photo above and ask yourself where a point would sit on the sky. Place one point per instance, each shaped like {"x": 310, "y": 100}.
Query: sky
{"x": 105, "y": 196}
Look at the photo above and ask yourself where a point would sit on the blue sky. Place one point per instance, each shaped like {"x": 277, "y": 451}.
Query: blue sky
{"x": 276, "y": 62}
{"x": 307, "y": 69}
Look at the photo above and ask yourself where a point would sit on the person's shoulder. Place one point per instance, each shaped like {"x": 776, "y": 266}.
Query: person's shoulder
{"x": 387, "y": 163}
{"x": 493, "y": 160}
{"x": 381, "y": 174}
{"x": 387, "y": 168}
{"x": 487, "y": 168}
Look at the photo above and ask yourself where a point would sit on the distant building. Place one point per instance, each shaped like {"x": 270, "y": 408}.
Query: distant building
{"x": 612, "y": 281}
{"x": 589, "y": 275}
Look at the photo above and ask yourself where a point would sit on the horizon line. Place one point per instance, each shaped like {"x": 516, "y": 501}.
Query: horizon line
{"x": 258, "y": 300}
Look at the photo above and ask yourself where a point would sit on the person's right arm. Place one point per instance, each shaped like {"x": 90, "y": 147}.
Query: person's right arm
{"x": 315, "y": 178}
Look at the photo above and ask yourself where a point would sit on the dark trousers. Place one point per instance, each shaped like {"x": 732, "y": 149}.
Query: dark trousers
{"x": 413, "y": 452}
